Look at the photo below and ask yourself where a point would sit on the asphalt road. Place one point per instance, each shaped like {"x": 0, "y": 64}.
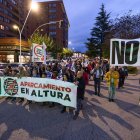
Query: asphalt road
{"x": 99, "y": 119}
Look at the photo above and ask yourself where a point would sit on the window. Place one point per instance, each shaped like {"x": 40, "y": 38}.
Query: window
{"x": 13, "y": 1}
{"x": 1, "y": 1}
{"x": 1, "y": 27}
{"x": 2, "y": 35}
{"x": 52, "y": 27}
{"x": 52, "y": 5}
{"x": 7, "y": 28}
{"x": 5, "y": 3}
{"x": 1, "y": 10}
{"x": 1, "y": 18}
{"x": 6, "y": 12}
{"x": 52, "y": 10}
{"x": 52, "y": 33}
{"x": 52, "y": 16}
{"x": 6, "y": 20}
{"x": 11, "y": 8}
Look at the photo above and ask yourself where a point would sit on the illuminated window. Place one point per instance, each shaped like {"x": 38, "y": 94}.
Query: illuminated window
{"x": 52, "y": 5}
{"x": 52, "y": 10}
{"x": 1, "y": 27}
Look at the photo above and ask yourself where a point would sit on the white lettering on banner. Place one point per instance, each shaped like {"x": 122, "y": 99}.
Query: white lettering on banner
{"x": 125, "y": 52}
{"x": 39, "y": 90}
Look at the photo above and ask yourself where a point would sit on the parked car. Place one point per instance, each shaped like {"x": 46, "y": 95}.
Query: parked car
{"x": 3, "y": 66}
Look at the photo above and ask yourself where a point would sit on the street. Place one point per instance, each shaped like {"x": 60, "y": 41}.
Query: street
{"x": 99, "y": 119}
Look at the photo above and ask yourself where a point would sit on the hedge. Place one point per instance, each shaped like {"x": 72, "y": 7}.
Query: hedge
{"x": 132, "y": 70}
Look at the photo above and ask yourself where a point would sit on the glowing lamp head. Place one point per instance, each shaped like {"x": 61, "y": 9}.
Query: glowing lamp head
{"x": 34, "y": 6}
{"x": 15, "y": 27}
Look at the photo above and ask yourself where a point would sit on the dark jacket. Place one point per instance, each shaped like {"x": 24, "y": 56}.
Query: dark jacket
{"x": 100, "y": 73}
{"x": 80, "y": 88}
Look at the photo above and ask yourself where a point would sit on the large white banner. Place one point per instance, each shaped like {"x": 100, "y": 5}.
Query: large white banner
{"x": 39, "y": 90}
{"x": 38, "y": 53}
{"x": 125, "y": 52}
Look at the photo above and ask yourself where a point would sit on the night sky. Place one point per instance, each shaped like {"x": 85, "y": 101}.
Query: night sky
{"x": 82, "y": 13}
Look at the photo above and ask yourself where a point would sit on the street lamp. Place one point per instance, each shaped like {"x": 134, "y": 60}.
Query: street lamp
{"x": 34, "y": 6}
{"x": 69, "y": 42}
{"x": 52, "y": 22}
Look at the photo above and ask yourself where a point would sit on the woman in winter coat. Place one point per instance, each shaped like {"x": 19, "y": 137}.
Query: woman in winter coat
{"x": 112, "y": 81}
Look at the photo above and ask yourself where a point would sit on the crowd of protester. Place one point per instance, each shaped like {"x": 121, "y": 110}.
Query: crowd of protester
{"x": 78, "y": 71}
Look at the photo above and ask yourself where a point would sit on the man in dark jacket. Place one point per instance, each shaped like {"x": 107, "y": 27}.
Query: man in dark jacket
{"x": 80, "y": 82}
{"x": 97, "y": 74}
{"x": 121, "y": 77}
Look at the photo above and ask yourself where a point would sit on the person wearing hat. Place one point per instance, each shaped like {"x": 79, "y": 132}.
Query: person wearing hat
{"x": 22, "y": 72}
{"x": 112, "y": 81}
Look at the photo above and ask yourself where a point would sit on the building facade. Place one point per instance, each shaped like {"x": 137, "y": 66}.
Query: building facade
{"x": 12, "y": 12}
{"x": 9, "y": 50}
{"x": 51, "y": 11}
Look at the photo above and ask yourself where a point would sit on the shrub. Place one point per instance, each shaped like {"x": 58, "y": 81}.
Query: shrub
{"x": 132, "y": 70}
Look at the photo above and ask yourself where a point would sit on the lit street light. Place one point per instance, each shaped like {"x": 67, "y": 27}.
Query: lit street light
{"x": 52, "y": 22}
{"x": 34, "y": 6}
{"x": 69, "y": 42}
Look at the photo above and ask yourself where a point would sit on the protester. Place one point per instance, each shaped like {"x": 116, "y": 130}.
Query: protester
{"x": 35, "y": 74}
{"x": 14, "y": 72}
{"x": 27, "y": 71}
{"x": 86, "y": 78}
{"x": 89, "y": 70}
{"x": 74, "y": 71}
{"x": 126, "y": 72}
{"x": 80, "y": 92}
{"x": 66, "y": 80}
{"x": 48, "y": 72}
{"x": 97, "y": 75}
{"x": 122, "y": 75}
{"x": 112, "y": 81}
{"x": 22, "y": 73}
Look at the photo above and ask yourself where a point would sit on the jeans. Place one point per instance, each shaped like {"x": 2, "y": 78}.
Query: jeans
{"x": 79, "y": 105}
{"x": 97, "y": 82}
{"x": 121, "y": 82}
{"x": 111, "y": 91}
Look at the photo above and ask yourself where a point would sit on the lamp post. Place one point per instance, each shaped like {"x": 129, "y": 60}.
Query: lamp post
{"x": 48, "y": 23}
{"x": 34, "y": 6}
{"x": 17, "y": 28}
{"x": 52, "y": 22}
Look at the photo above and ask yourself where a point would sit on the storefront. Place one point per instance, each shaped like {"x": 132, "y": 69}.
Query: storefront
{"x": 10, "y": 50}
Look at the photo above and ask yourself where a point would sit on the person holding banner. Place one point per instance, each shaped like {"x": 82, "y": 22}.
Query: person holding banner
{"x": 112, "y": 81}
{"x": 122, "y": 76}
{"x": 22, "y": 73}
{"x": 80, "y": 82}
{"x": 65, "y": 78}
